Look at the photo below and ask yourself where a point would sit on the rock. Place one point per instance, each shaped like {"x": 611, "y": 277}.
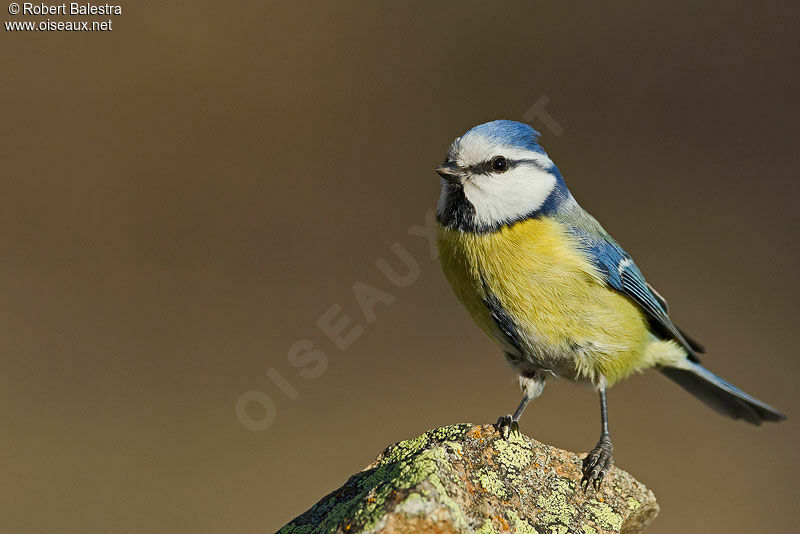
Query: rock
{"x": 465, "y": 478}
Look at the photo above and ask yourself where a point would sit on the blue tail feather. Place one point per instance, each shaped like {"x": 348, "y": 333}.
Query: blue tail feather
{"x": 721, "y": 395}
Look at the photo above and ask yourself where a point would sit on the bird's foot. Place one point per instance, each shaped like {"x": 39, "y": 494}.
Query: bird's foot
{"x": 506, "y": 425}
{"x": 597, "y": 463}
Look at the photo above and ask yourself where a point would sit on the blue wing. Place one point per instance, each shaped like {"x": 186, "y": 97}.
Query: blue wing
{"x": 621, "y": 273}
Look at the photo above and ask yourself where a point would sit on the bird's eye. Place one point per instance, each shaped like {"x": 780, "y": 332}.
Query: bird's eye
{"x": 499, "y": 164}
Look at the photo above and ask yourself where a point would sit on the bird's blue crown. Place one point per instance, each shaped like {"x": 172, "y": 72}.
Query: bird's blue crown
{"x": 511, "y": 133}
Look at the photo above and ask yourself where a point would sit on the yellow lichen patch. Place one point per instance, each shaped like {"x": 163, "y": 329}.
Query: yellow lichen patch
{"x": 633, "y": 504}
{"x": 559, "y": 509}
{"x": 514, "y": 453}
{"x": 491, "y": 483}
{"x": 413, "y": 496}
{"x": 520, "y": 525}
{"x": 605, "y": 516}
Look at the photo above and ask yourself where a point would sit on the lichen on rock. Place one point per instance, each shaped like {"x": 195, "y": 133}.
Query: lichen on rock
{"x": 467, "y": 479}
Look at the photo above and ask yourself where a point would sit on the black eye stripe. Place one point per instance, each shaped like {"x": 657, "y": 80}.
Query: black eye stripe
{"x": 486, "y": 167}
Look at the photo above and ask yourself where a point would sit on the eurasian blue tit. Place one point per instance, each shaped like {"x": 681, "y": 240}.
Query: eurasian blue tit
{"x": 548, "y": 284}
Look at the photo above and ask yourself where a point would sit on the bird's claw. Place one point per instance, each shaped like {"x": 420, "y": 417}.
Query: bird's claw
{"x": 506, "y": 425}
{"x": 597, "y": 463}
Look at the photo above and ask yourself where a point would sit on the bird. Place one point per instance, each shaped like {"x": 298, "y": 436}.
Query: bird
{"x": 558, "y": 295}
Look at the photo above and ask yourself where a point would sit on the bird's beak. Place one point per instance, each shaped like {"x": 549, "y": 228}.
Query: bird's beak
{"x": 450, "y": 172}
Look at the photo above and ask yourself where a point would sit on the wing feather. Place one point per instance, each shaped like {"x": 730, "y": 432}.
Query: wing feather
{"x": 621, "y": 273}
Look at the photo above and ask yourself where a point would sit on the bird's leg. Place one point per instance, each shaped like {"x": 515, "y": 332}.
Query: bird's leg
{"x": 599, "y": 461}
{"x": 532, "y": 387}
{"x": 509, "y": 423}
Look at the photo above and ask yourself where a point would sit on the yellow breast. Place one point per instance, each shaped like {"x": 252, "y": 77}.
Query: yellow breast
{"x": 568, "y": 320}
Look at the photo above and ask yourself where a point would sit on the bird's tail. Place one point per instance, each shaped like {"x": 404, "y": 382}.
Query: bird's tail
{"x": 721, "y": 395}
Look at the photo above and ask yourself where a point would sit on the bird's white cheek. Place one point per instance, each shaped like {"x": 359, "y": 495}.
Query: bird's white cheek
{"x": 508, "y": 196}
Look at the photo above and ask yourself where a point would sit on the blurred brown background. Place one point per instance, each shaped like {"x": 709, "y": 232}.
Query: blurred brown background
{"x": 183, "y": 197}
